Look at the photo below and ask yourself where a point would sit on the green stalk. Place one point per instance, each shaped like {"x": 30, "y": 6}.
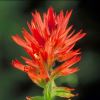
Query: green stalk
{"x": 48, "y": 90}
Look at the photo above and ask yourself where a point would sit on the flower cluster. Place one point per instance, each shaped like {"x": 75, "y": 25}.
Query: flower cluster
{"x": 49, "y": 39}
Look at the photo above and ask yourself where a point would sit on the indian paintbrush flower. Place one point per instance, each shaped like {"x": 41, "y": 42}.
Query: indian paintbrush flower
{"x": 48, "y": 40}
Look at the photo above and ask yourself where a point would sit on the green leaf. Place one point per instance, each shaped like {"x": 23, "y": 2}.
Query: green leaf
{"x": 63, "y": 92}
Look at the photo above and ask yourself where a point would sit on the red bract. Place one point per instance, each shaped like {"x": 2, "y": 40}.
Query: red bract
{"x": 49, "y": 40}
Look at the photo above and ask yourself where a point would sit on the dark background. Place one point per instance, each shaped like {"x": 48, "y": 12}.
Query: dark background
{"x": 14, "y": 84}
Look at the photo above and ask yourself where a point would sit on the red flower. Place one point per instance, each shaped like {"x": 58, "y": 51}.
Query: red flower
{"x": 49, "y": 40}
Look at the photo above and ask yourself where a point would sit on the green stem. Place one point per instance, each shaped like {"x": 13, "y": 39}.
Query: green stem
{"x": 48, "y": 90}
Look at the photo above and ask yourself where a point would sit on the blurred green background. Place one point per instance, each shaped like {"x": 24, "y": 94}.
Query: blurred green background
{"x": 14, "y": 84}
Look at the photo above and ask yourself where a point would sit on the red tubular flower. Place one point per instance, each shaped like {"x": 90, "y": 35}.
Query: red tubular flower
{"x": 49, "y": 40}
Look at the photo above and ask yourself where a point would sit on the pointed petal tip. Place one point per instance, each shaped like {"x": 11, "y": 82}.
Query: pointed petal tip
{"x": 14, "y": 37}
{"x": 18, "y": 65}
{"x": 50, "y": 9}
{"x": 69, "y": 12}
{"x": 78, "y": 57}
{"x": 81, "y": 31}
{"x": 84, "y": 34}
{"x": 14, "y": 62}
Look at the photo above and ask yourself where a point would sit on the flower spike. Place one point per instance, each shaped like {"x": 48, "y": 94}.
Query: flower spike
{"x": 49, "y": 39}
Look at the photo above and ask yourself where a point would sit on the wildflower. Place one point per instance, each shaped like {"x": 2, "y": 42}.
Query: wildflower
{"x": 49, "y": 39}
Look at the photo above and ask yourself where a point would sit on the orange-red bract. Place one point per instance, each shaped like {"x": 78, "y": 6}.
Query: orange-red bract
{"x": 48, "y": 40}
